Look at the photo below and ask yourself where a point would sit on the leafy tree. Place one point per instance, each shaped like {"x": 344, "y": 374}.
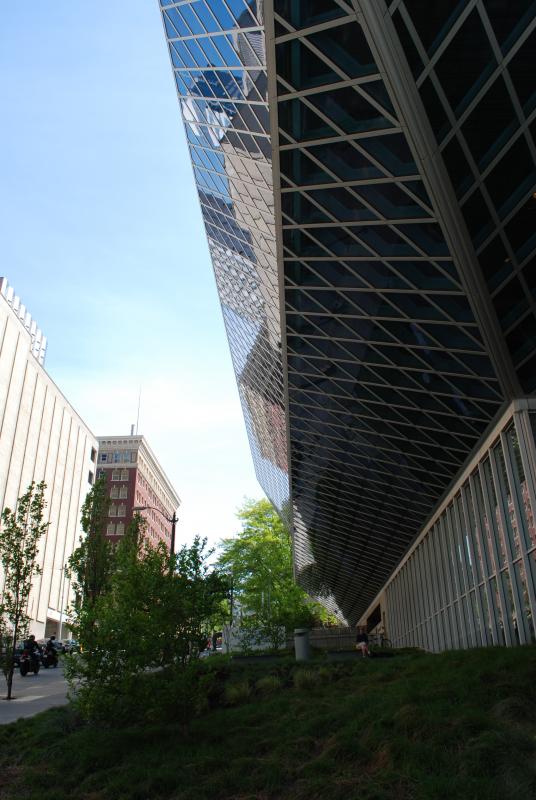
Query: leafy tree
{"x": 198, "y": 593}
{"x": 145, "y": 617}
{"x": 20, "y": 532}
{"x": 259, "y": 559}
{"x": 117, "y": 625}
{"x": 92, "y": 563}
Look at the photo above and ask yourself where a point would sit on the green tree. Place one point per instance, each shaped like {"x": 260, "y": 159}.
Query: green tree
{"x": 92, "y": 563}
{"x": 20, "y": 532}
{"x": 259, "y": 559}
{"x": 117, "y": 626}
{"x": 198, "y": 593}
{"x": 144, "y": 618}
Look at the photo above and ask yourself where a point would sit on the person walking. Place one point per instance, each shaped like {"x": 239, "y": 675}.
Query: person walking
{"x": 361, "y": 642}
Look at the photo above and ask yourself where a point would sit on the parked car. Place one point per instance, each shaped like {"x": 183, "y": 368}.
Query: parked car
{"x": 71, "y": 646}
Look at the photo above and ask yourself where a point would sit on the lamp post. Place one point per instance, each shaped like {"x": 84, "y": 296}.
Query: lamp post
{"x": 174, "y": 519}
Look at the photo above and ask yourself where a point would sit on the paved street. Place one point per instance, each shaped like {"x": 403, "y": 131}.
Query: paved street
{"x": 32, "y": 694}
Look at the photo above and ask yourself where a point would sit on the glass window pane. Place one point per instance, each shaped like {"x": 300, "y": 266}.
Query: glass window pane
{"x": 302, "y": 170}
{"x": 342, "y": 204}
{"x": 347, "y": 47}
{"x": 521, "y": 69}
{"x": 190, "y": 18}
{"x": 509, "y": 20}
{"x": 510, "y": 302}
{"x": 521, "y": 340}
{"x": 322, "y": 273}
{"x": 173, "y": 16}
{"x": 466, "y": 63}
{"x": 296, "y": 206}
{"x": 514, "y": 176}
{"x": 435, "y": 110}
{"x": 379, "y": 275}
{"x": 433, "y": 20}
{"x": 301, "y": 68}
{"x": 220, "y": 11}
{"x": 300, "y": 122}
{"x": 521, "y": 230}
{"x": 345, "y": 160}
{"x": 386, "y": 241}
{"x": 378, "y": 92}
{"x": 495, "y": 262}
{"x": 477, "y": 217}
{"x": 491, "y": 124}
{"x": 391, "y": 201}
{"x": 340, "y": 242}
{"x": 392, "y": 152}
{"x": 350, "y": 111}
{"x": 301, "y": 15}
{"x": 424, "y": 275}
{"x": 458, "y": 167}
{"x": 527, "y": 375}
{"x": 208, "y": 21}
{"x": 428, "y": 237}
{"x": 408, "y": 45}
{"x": 529, "y": 273}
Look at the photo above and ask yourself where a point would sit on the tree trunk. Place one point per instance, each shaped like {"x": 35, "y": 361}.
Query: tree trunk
{"x": 9, "y": 676}
{"x": 9, "y": 679}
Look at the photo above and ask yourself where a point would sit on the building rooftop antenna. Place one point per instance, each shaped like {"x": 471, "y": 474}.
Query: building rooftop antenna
{"x": 138, "y": 417}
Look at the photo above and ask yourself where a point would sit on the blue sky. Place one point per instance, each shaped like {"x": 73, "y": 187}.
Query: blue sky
{"x": 101, "y": 236}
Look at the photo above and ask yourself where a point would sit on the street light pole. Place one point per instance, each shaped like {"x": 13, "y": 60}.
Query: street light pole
{"x": 173, "y": 520}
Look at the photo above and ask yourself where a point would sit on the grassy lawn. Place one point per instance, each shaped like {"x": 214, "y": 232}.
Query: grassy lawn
{"x": 413, "y": 727}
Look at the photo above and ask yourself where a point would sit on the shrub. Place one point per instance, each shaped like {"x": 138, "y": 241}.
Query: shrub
{"x": 236, "y": 693}
{"x": 306, "y": 678}
{"x": 269, "y": 684}
{"x": 326, "y": 675}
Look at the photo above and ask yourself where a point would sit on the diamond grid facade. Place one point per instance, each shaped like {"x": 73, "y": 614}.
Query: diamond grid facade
{"x": 218, "y": 54}
{"x": 365, "y": 334}
{"x": 473, "y": 66}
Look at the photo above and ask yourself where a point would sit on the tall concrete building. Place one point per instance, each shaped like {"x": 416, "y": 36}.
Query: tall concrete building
{"x": 42, "y": 438}
{"x": 134, "y": 478}
{"x": 367, "y": 176}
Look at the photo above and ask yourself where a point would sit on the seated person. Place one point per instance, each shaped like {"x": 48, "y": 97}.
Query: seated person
{"x": 33, "y": 648}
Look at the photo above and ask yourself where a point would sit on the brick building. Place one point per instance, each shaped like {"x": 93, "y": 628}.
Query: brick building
{"x": 135, "y": 478}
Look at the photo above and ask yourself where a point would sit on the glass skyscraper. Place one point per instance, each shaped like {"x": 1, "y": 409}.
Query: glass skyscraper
{"x": 367, "y": 176}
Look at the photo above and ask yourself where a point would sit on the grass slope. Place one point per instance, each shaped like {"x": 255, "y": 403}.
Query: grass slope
{"x": 414, "y": 727}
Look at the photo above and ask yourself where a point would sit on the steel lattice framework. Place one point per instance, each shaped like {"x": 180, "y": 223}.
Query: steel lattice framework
{"x": 372, "y": 251}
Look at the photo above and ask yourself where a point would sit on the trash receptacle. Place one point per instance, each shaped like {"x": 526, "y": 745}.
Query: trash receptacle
{"x": 301, "y": 644}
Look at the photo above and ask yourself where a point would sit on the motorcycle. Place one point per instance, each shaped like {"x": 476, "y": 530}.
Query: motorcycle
{"x": 28, "y": 663}
{"x": 49, "y": 659}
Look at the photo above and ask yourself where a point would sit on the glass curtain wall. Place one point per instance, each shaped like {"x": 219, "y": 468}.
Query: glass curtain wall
{"x": 473, "y": 64}
{"x": 217, "y": 50}
{"x": 471, "y": 579}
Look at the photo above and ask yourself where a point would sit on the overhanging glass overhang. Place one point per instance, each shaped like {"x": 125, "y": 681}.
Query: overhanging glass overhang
{"x": 367, "y": 353}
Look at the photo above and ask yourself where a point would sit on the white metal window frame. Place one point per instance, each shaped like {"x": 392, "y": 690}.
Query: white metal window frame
{"x": 469, "y": 580}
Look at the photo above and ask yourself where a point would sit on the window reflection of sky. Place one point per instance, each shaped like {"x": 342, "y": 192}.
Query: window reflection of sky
{"x": 221, "y": 84}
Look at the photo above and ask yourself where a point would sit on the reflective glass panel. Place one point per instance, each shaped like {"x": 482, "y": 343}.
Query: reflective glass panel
{"x": 466, "y": 63}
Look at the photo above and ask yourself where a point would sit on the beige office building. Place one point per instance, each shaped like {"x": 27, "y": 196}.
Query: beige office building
{"x": 41, "y": 438}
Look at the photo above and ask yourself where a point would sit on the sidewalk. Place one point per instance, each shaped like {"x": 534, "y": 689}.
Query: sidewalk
{"x": 32, "y": 694}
